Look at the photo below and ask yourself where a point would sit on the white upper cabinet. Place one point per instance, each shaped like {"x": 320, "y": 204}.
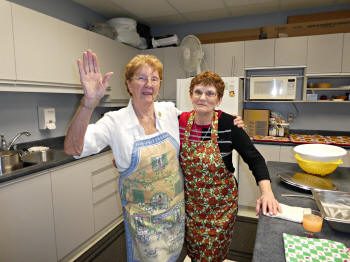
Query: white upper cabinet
{"x": 112, "y": 57}
{"x": 172, "y": 71}
{"x": 209, "y": 57}
{"x": 229, "y": 59}
{"x": 259, "y": 53}
{"x": 46, "y": 48}
{"x": 26, "y": 222}
{"x": 7, "y": 65}
{"x": 159, "y": 53}
{"x": 346, "y": 54}
{"x": 291, "y": 51}
{"x": 324, "y": 54}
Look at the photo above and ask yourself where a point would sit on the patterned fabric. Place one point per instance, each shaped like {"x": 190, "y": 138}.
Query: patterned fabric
{"x": 153, "y": 201}
{"x": 210, "y": 197}
{"x": 303, "y": 249}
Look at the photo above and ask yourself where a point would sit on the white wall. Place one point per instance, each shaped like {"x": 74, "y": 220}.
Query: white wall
{"x": 18, "y": 112}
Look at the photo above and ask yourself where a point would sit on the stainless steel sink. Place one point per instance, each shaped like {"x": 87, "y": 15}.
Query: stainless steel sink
{"x": 51, "y": 155}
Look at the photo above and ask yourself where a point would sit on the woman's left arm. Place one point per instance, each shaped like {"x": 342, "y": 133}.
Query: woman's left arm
{"x": 267, "y": 202}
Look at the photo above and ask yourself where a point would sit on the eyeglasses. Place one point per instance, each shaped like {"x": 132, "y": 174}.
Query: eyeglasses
{"x": 198, "y": 93}
{"x": 144, "y": 79}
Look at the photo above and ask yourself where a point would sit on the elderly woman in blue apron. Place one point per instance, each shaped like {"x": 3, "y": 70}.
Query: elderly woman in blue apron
{"x": 144, "y": 138}
{"x": 211, "y": 192}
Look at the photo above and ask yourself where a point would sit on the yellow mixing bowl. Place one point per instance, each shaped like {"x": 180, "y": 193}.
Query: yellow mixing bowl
{"x": 316, "y": 167}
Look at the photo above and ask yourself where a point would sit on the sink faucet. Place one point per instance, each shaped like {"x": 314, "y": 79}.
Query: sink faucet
{"x": 5, "y": 146}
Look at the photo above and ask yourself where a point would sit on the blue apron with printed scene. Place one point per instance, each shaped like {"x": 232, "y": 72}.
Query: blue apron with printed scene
{"x": 152, "y": 195}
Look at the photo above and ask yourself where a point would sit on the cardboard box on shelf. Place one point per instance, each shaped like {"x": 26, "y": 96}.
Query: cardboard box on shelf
{"x": 315, "y": 28}
{"x": 274, "y": 31}
{"x": 229, "y": 36}
{"x": 257, "y": 121}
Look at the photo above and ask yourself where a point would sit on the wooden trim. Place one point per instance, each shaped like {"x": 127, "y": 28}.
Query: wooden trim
{"x": 318, "y": 17}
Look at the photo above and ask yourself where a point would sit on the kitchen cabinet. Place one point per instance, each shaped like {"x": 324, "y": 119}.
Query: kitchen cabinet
{"x": 159, "y": 53}
{"x": 324, "y": 54}
{"x": 26, "y": 223}
{"x": 47, "y": 48}
{"x": 172, "y": 70}
{"x": 105, "y": 194}
{"x": 229, "y": 59}
{"x": 209, "y": 57}
{"x": 7, "y": 65}
{"x": 346, "y": 159}
{"x": 287, "y": 154}
{"x": 73, "y": 206}
{"x": 112, "y": 56}
{"x": 259, "y": 53}
{"x": 279, "y": 52}
{"x": 248, "y": 189}
{"x": 346, "y": 54}
{"x": 290, "y": 51}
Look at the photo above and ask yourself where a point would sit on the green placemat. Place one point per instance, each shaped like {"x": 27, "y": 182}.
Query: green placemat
{"x": 300, "y": 249}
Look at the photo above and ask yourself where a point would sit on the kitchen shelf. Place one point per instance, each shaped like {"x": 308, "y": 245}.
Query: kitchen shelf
{"x": 328, "y": 101}
{"x": 327, "y": 75}
{"x": 274, "y": 101}
{"x": 296, "y": 101}
{"x": 347, "y": 88}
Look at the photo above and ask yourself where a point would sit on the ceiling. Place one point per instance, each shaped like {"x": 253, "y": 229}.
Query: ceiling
{"x": 166, "y": 12}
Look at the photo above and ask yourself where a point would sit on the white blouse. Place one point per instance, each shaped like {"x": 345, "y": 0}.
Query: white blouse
{"x": 121, "y": 129}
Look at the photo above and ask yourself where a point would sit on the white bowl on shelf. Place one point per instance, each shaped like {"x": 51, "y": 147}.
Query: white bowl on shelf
{"x": 320, "y": 152}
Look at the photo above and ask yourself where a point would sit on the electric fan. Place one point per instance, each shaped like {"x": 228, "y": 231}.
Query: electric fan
{"x": 191, "y": 54}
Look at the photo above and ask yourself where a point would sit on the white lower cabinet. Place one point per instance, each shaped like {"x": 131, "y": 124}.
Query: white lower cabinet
{"x": 72, "y": 203}
{"x": 106, "y": 201}
{"x": 287, "y": 154}
{"x": 346, "y": 160}
{"x": 26, "y": 221}
{"x": 247, "y": 187}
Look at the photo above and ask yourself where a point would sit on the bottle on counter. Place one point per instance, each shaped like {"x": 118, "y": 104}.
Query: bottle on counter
{"x": 280, "y": 130}
{"x": 272, "y": 130}
{"x": 285, "y": 127}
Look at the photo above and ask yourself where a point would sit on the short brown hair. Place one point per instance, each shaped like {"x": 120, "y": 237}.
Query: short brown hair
{"x": 209, "y": 78}
{"x": 138, "y": 61}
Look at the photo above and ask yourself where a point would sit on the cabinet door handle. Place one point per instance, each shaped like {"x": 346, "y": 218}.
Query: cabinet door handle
{"x": 233, "y": 65}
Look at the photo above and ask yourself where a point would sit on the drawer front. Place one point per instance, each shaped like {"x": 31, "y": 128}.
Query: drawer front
{"x": 105, "y": 196}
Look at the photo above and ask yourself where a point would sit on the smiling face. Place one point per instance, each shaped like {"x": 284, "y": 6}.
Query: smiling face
{"x": 206, "y": 91}
{"x": 144, "y": 84}
{"x": 204, "y": 98}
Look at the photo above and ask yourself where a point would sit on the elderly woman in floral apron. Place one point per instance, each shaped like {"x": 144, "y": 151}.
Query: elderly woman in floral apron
{"x": 211, "y": 193}
{"x": 144, "y": 138}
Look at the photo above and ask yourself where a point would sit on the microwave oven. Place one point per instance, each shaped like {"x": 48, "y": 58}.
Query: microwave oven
{"x": 273, "y": 88}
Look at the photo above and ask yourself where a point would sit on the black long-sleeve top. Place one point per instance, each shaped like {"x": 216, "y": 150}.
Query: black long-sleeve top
{"x": 230, "y": 138}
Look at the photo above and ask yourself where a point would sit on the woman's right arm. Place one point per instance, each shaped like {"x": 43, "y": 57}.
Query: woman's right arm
{"x": 94, "y": 86}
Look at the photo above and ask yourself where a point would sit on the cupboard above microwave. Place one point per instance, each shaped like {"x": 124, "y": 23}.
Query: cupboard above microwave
{"x": 273, "y": 88}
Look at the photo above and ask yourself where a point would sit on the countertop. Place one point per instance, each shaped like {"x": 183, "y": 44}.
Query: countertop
{"x": 53, "y": 143}
{"x": 269, "y": 240}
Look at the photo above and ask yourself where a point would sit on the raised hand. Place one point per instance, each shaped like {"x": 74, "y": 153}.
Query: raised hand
{"x": 94, "y": 84}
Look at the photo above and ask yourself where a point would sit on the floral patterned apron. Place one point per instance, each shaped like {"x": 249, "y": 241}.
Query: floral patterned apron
{"x": 211, "y": 196}
{"x": 151, "y": 191}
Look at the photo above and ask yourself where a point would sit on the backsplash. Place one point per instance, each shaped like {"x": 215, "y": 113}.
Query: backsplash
{"x": 18, "y": 112}
{"x": 311, "y": 116}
